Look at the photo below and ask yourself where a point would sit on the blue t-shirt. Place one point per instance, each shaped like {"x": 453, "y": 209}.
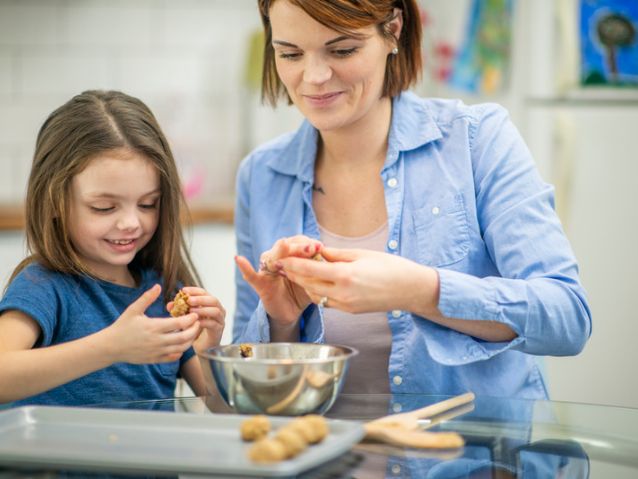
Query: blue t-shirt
{"x": 69, "y": 307}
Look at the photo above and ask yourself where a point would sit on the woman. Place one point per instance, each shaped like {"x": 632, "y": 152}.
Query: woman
{"x": 445, "y": 263}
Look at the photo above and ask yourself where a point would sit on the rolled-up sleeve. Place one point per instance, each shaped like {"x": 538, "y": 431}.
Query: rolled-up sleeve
{"x": 538, "y": 293}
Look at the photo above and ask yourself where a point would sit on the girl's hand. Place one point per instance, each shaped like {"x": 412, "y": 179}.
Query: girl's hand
{"x": 210, "y": 314}
{"x": 283, "y": 300}
{"x": 135, "y": 338}
{"x": 358, "y": 281}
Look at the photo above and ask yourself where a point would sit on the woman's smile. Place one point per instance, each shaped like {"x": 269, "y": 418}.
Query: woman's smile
{"x": 323, "y": 100}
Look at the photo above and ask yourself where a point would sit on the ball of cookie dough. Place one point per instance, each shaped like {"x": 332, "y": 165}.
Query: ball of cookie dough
{"x": 318, "y": 424}
{"x": 267, "y": 451}
{"x": 246, "y": 350}
{"x": 180, "y": 304}
{"x": 254, "y": 428}
{"x": 311, "y": 428}
{"x": 294, "y": 442}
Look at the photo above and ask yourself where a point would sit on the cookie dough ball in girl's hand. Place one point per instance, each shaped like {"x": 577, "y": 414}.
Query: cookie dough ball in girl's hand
{"x": 180, "y": 304}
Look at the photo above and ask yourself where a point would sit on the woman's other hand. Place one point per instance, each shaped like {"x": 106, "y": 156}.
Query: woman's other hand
{"x": 283, "y": 300}
{"x": 360, "y": 281}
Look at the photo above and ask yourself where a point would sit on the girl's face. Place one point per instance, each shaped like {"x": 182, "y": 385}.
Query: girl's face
{"x": 114, "y": 212}
{"x": 335, "y": 80}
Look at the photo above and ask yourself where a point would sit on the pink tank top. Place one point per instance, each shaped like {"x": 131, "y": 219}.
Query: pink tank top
{"x": 367, "y": 332}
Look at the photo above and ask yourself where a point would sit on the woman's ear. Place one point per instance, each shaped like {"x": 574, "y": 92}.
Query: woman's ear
{"x": 395, "y": 25}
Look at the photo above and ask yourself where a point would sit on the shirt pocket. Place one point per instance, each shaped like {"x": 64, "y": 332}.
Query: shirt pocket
{"x": 442, "y": 231}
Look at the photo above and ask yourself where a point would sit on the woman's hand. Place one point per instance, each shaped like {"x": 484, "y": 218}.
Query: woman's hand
{"x": 283, "y": 300}
{"x": 359, "y": 281}
{"x": 135, "y": 338}
{"x": 210, "y": 314}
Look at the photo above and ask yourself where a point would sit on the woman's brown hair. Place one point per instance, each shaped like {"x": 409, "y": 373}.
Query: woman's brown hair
{"x": 87, "y": 125}
{"x": 346, "y": 16}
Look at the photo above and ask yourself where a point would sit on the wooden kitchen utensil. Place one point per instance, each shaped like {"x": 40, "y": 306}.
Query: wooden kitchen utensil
{"x": 410, "y": 420}
{"x": 402, "y": 429}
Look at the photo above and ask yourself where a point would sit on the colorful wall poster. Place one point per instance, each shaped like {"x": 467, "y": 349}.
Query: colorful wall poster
{"x": 482, "y": 63}
{"x": 609, "y": 43}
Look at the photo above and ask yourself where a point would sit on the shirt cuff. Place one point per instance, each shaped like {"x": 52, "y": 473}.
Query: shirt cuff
{"x": 467, "y": 297}
{"x": 464, "y": 296}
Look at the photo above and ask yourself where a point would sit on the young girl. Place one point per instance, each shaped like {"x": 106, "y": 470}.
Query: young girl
{"x": 82, "y": 320}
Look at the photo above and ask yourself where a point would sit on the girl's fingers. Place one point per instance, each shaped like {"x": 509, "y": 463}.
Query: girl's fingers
{"x": 183, "y": 338}
{"x": 138, "y": 307}
{"x": 209, "y": 312}
{"x": 169, "y": 325}
{"x": 210, "y": 323}
{"x": 204, "y": 300}
{"x": 194, "y": 290}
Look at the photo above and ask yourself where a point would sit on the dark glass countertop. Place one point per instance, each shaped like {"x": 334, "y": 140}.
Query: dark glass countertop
{"x": 504, "y": 438}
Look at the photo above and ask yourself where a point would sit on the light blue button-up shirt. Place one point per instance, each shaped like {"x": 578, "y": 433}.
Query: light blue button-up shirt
{"x": 463, "y": 196}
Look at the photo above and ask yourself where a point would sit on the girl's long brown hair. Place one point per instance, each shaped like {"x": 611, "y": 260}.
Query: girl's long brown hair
{"x": 89, "y": 124}
{"x": 346, "y": 16}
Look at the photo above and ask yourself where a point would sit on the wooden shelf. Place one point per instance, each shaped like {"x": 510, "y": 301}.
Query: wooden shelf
{"x": 219, "y": 211}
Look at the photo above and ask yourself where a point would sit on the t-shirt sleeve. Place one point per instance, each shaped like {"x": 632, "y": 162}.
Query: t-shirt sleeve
{"x": 33, "y": 292}
{"x": 189, "y": 353}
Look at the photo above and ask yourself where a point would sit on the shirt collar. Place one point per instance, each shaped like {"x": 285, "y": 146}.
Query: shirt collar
{"x": 412, "y": 126}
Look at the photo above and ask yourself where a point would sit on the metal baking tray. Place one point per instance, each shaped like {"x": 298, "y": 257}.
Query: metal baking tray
{"x": 127, "y": 441}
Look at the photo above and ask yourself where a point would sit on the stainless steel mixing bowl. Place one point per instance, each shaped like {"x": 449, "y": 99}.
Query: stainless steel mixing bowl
{"x": 287, "y": 379}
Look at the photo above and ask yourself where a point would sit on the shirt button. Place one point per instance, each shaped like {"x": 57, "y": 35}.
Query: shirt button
{"x": 393, "y": 244}
{"x": 397, "y": 380}
{"x": 396, "y": 407}
{"x": 393, "y": 182}
{"x": 436, "y": 210}
{"x": 396, "y": 469}
{"x": 396, "y": 313}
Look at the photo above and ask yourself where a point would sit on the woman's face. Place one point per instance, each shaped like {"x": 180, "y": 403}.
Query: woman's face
{"x": 114, "y": 211}
{"x": 335, "y": 80}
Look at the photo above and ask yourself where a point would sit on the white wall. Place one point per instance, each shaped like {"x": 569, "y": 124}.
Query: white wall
{"x": 212, "y": 251}
{"x": 186, "y": 59}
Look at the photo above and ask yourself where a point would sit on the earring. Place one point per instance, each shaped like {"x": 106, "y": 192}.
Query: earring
{"x": 395, "y": 51}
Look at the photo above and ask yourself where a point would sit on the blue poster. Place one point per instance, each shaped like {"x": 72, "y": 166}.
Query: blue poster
{"x": 609, "y": 43}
